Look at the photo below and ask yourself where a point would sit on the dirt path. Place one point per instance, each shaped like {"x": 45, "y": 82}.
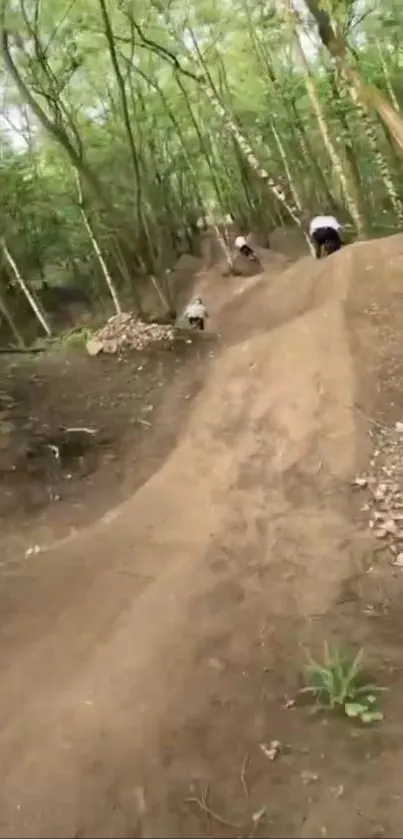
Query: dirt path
{"x": 151, "y": 655}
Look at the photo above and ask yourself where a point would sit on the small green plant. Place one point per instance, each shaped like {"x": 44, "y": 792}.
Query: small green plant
{"x": 76, "y": 337}
{"x": 337, "y": 684}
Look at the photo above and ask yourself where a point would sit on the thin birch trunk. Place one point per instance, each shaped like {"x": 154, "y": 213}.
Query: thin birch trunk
{"x": 97, "y": 250}
{"x": 24, "y": 288}
{"x": 348, "y": 193}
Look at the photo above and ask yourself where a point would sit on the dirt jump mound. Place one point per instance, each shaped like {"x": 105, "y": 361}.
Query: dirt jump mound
{"x": 169, "y": 650}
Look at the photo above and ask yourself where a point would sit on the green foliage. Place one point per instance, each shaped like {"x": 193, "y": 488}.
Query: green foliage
{"x": 76, "y": 337}
{"x": 172, "y": 160}
{"x": 337, "y": 684}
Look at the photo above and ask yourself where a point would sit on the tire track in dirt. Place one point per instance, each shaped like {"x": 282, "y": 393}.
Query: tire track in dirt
{"x": 244, "y": 524}
{"x": 90, "y": 671}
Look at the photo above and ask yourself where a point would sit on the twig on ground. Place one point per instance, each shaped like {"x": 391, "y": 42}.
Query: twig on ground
{"x": 369, "y": 419}
{"x": 257, "y": 818}
{"x": 243, "y": 776}
{"x": 201, "y": 803}
{"x": 370, "y": 819}
{"x": 80, "y": 428}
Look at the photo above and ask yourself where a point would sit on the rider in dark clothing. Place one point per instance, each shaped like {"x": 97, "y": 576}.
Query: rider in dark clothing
{"x": 325, "y": 235}
{"x": 242, "y": 246}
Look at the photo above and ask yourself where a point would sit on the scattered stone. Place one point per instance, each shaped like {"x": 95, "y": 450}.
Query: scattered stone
{"x": 380, "y": 492}
{"x": 32, "y": 551}
{"x": 384, "y": 486}
{"x": 216, "y": 664}
{"x": 399, "y": 427}
{"x": 256, "y": 817}
{"x": 112, "y": 347}
{"x": 360, "y": 482}
{"x": 398, "y": 561}
{"x": 94, "y": 347}
{"x": 390, "y": 527}
{"x": 380, "y": 532}
{"x": 309, "y": 777}
{"x": 271, "y": 750}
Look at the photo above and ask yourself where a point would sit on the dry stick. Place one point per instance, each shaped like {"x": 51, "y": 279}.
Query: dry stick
{"x": 243, "y": 776}
{"x": 144, "y": 422}
{"x": 81, "y": 428}
{"x": 369, "y": 818}
{"x": 369, "y": 419}
{"x": 201, "y": 803}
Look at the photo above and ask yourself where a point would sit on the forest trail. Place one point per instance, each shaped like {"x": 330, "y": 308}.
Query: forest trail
{"x": 151, "y": 655}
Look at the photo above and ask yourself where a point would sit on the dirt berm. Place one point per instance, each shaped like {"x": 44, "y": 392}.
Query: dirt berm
{"x": 127, "y": 659}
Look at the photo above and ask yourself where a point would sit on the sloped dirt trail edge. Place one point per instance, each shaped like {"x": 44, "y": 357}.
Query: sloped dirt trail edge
{"x": 110, "y": 645}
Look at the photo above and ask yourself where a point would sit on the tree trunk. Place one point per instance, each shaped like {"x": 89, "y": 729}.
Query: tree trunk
{"x": 287, "y": 170}
{"x": 223, "y": 245}
{"x": 308, "y": 155}
{"x": 297, "y": 129}
{"x": 59, "y": 135}
{"x": 367, "y": 93}
{"x": 201, "y": 140}
{"x": 122, "y": 265}
{"x": 244, "y": 145}
{"x": 339, "y": 101}
{"x": 227, "y": 120}
{"x": 177, "y": 128}
{"x": 24, "y": 288}
{"x": 97, "y": 249}
{"x": 370, "y": 133}
{"x": 350, "y": 197}
{"x": 141, "y": 218}
{"x": 262, "y": 58}
{"x": 386, "y": 75}
{"x": 4, "y": 310}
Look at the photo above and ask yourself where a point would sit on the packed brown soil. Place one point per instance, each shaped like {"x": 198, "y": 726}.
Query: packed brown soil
{"x": 149, "y": 660}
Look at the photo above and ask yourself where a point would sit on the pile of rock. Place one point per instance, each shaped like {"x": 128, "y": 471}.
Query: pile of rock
{"x": 384, "y": 487}
{"x": 126, "y": 331}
